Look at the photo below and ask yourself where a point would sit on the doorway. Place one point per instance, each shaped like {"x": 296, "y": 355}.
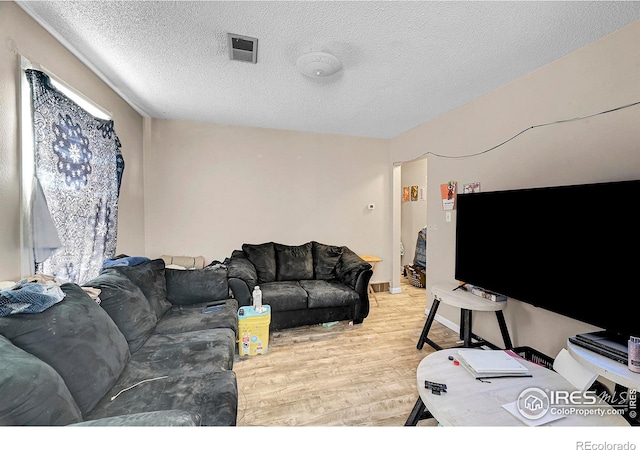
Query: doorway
{"x": 410, "y": 214}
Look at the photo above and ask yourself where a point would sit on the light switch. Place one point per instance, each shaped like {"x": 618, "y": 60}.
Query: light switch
{"x": 447, "y": 216}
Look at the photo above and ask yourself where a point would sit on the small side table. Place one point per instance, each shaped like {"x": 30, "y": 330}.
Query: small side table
{"x": 373, "y": 260}
{"x": 467, "y": 302}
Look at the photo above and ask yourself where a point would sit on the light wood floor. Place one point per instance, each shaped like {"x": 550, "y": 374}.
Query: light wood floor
{"x": 361, "y": 375}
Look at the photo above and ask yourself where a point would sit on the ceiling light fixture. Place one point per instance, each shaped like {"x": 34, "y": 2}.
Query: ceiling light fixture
{"x": 318, "y": 64}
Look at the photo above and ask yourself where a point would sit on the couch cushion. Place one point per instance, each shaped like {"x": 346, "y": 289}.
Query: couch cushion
{"x": 349, "y": 266}
{"x": 294, "y": 262}
{"x": 263, "y": 257}
{"x": 31, "y": 392}
{"x": 127, "y": 306}
{"x": 284, "y": 296}
{"x": 191, "y": 318}
{"x": 150, "y": 278}
{"x": 78, "y": 339}
{"x": 188, "y": 287}
{"x": 203, "y": 352}
{"x": 326, "y": 294}
{"x": 213, "y": 397}
{"x": 325, "y": 260}
{"x": 170, "y": 418}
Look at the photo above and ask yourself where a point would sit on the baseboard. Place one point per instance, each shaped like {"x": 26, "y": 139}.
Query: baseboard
{"x": 395, "y": 290}
{"x": 380, "y": 286}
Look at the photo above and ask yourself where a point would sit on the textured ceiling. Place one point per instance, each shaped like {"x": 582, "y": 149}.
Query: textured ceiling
{"x": 404, "y": 63}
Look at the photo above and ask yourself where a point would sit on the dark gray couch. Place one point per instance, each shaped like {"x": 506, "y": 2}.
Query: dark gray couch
{"x": 147, "y": 355}
{"x": 305, "y": 284}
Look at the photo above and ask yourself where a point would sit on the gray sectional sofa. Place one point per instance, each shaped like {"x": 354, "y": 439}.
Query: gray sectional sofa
{"x": 304, "y": 284}
{"x": 147, "y": 355}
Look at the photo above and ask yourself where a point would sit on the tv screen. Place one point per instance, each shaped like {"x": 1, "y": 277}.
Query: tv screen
{"x": 572, "y": 250}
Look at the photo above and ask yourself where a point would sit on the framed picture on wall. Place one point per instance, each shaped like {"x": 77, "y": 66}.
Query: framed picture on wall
{"x": 448, "y": 192}
{"x": 470, "y": 188}
{"x": 405, "y": 194}
{"x": 414, "y": 193}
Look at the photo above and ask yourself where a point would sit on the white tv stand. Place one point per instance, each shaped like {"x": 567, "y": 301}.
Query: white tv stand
{"x": 467, "y": 302}
{"x": 605, "y": 367}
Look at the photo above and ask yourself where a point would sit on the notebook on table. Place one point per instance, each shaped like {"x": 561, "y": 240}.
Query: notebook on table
{"x": 491, "y": 363}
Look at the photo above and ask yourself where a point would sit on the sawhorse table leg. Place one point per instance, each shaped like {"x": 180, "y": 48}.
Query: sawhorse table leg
{"x": 466, "y": 334}
{"x": 427, "y": 327}
{"x": 466, "y": 320}
{"x": 503, "y": 329}
{"x": 418, "y": 413}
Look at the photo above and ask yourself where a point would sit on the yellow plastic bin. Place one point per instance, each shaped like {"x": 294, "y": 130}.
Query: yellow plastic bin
{"x": 253, "y": 330}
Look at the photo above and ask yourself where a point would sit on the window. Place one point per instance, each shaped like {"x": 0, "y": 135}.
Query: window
{"x": 71, "y": 173}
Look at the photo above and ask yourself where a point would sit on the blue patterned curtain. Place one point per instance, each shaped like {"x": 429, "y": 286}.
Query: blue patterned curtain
{"x": 79, "y": 166}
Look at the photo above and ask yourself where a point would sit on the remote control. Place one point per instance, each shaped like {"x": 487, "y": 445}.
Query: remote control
{"x": 436, "y": 388}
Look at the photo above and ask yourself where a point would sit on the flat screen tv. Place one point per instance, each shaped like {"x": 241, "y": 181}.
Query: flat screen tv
{"x": 573, "y": 250}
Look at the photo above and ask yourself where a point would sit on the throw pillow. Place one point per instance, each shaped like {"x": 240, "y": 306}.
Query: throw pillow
{"x": 150, "y": 278}
{"x": 127, "y": 306}
{"x": 32, "y": 392}
{"x": 188, "y": 287}
{"x": 78, "y": 339}
{"x": 294, "y": 262}
{"x": 263, "y": 257}
{"x": 325, "y": 260}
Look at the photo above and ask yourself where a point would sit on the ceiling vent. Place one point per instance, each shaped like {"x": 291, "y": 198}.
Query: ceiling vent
{"x": 242, "y": 48}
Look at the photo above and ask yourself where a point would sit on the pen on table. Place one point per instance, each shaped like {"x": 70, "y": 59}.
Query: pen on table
{"x": 504, "y": 376}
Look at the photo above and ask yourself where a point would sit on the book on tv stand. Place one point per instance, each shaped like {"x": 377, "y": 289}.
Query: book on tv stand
{"x": 598, "y": 349}
{"x": 607, "y": 341}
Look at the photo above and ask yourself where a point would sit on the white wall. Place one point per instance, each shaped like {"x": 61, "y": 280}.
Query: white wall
{"x": 19, "y": 34}
{"x": 414, "y": 213}
{"x": 210, "y": 188}
{"x": 599, "y": 77}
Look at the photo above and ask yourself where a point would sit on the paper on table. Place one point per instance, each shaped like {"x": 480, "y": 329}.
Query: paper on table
{"x": 574, "y": 372}
{"x": 513, "y": 409}
{"x": 493, "y": 361}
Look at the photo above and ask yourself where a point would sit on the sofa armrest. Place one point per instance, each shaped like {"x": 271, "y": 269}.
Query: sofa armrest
{"x": 362, "y": 288}
{"x": 169, "y": 418}
{"x": 240, "y": 291}
{"x": 240, "y": 267}
{"x": 354, "y": 271}
{"x": 186, "y": 262}
{"x": 243, "y": 277}
{"x": 350, "y": 266}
